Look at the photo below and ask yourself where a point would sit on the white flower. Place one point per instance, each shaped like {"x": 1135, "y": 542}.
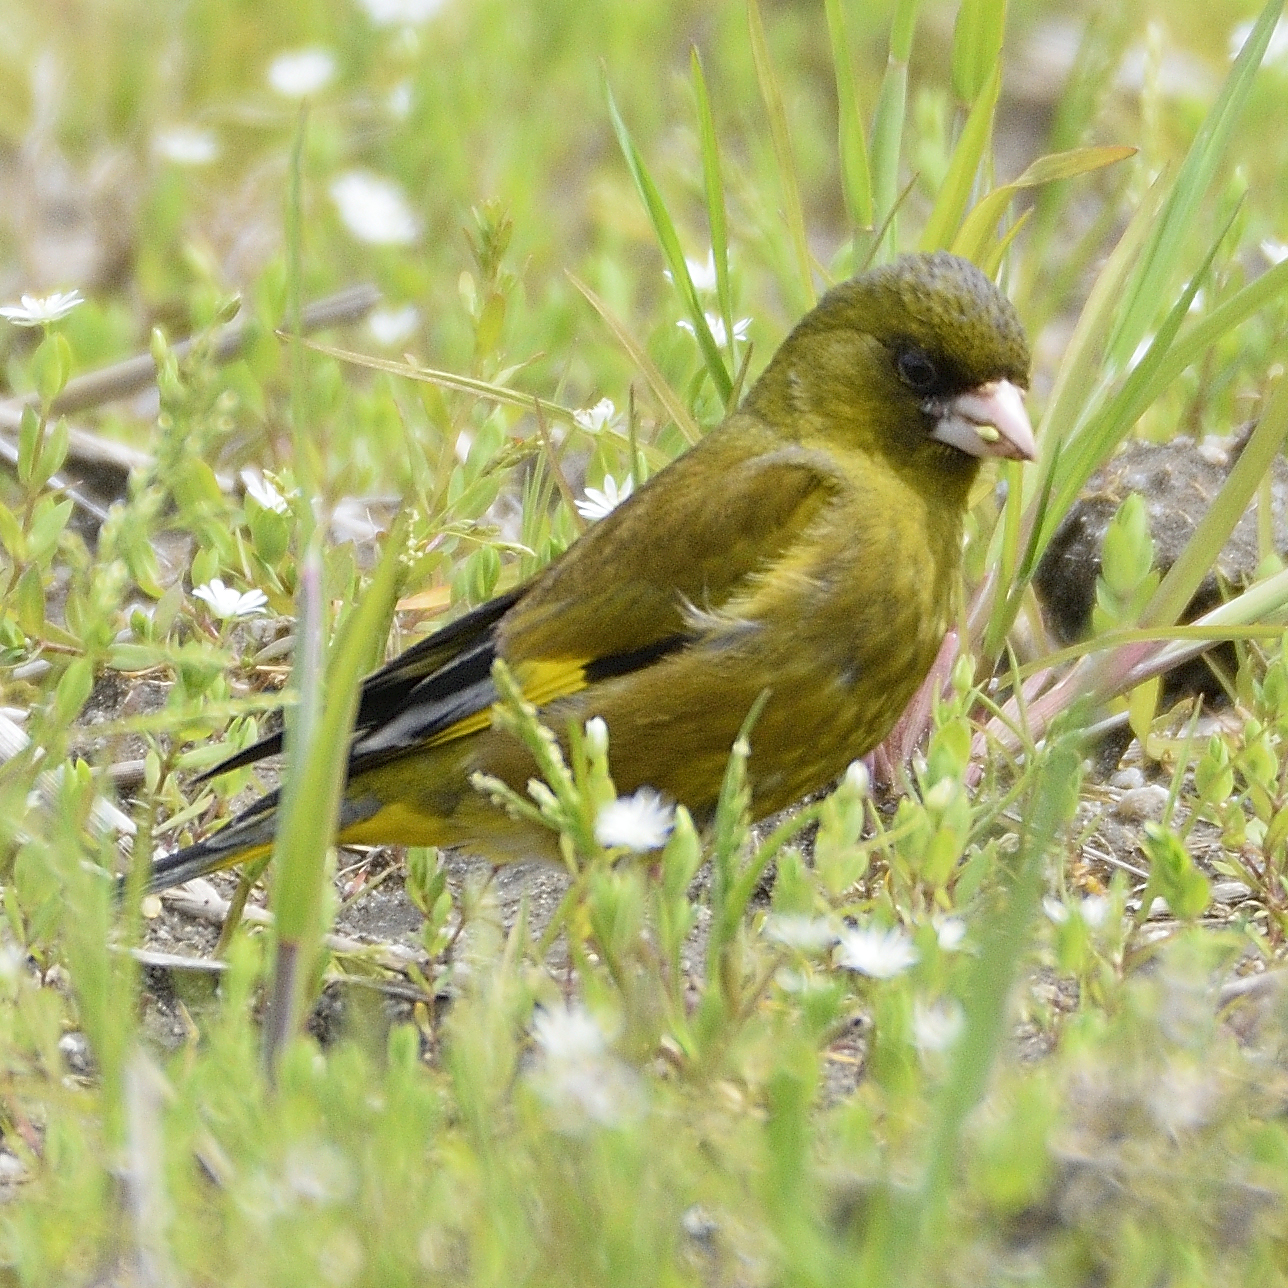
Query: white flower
{"x": 264, "y": 492}
{"x": 603, "y": 501}
{"x": 1094, "y": 910}
{"x": 301, "y": 72}
{"x": 936, "y": 1025}
{"x": 950, "y": 931}
{"x": 593, "y": 419}
{"x": 1054, "y": 909}
{"x": 186, "y": 145}
{"x": 876, "y": 952}
{"x": 389, "y": 327}
{"x": 227, "y": 603}
{"x": 702, "y": 275}
{"x": 374, "y": 209}
{"x": 37, "y": 310}
{"x": 388, "y": 13}
{"x": 639, "y": 822}
{"x": 579, "y": 1076}
{"x": 399, "y": 101}
{"x": 717, "y": 328}
{"x": 1275, "y": 251}
{"x": 568, "y": 1033}
{"x": 800, "y": 931}
{"x": 1276, "y": 50}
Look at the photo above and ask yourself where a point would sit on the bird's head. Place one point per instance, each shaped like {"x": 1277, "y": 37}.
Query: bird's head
{"x": 923, "y": 360}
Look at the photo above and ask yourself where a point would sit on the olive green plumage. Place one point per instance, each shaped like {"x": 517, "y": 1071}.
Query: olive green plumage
{"x": 809, "y": 545}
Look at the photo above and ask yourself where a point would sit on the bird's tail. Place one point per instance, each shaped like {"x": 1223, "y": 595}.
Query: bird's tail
{"x": 246, "y": 837}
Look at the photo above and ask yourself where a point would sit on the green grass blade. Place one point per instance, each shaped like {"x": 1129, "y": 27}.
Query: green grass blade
{"x": 1149, "y": 281}
{"x": 856, "y": 172}
{"x": 972, "y": 147}
{"x": 648, "y": 368}
{"x": 977, "y": 45}
{"x": 773, "y": 99}
{"x": 311, "y": 802}
{"x": 1096, "y": 440}
{"x": 673, "y": 253}
{"x": 1196, "y": 342}
{"x": 714, "y": 189}
{"x": 973, "y": 237}
{"x": 887, "y": 127}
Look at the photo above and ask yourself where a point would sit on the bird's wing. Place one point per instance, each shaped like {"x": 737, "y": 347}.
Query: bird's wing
{"x": 625, "y": 594}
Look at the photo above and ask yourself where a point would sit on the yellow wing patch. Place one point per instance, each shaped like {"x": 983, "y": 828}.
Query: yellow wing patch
{"x": 542, "y": 682}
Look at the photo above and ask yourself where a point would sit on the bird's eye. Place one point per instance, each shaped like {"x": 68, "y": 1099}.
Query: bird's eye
{"x": 917, "y": 371}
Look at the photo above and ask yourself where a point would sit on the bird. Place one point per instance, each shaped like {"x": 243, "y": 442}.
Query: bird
{"x": 809, "y": 545}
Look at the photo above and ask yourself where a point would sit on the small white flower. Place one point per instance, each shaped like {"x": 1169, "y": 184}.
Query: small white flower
{"x": 639, "y": 822}
{"x": 37, "y": 310}
{"x": 263, "y": 491}
{"x": 228, "y": 603}
{"x": 701, "y": 274}
{"x": 579, "y": 1077}
{"x": 717, "y": 327}
{"x": 800, "y": 931}
{"x": 186, "y": 145}
{"x": 1275, "y": 251}
{"x": 374, "y": 209}
{"x": 301, "y": 72}
{"x": 389, "y": 13}
{"x": 936, "y": 1025}
{"x": 951, "y": 931}
{"x": 1057, "y": 911}
{"x": 1094, "y": 910}
{"x": 399, "y": 101}
{"x": 1276, "y": 50}
{"x": 595, "y": 418}
{"x": 603, "y": 501}
{"x": 876, "y": 952}
{"x": 568, "y": 1033}
{"x": 389, "y": 327}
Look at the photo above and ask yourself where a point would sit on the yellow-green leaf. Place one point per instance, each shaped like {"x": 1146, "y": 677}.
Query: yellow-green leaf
{"x": 972, "y": 238}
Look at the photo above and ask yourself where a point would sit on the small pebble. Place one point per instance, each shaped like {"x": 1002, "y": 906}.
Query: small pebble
{"x": 1230, "y": 892}
{"x": 1139, "y": 803}
{"x": 1126, "y": 779}
{"x": 75, "y": 1051}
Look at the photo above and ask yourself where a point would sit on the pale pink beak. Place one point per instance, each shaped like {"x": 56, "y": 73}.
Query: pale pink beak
{"x": 987, "y": 421}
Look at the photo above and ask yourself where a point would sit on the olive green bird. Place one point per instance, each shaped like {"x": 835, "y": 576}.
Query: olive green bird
{"x": 809, "y": 545}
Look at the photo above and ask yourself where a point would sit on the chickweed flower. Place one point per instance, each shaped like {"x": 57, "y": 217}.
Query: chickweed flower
{"x": 640, "y": 822}
{"x": 717, "y": 327}
{"x": 40, "y": 310}
{"x": 595, "y": 418}
{"x": 301, "y": 72}
{"x": 227, "y": 603}
{"x": 800, "y": 931}
{"x": 600, "y": 502}
{"x": 936, "y": 1025}
{"x": 870, "y": 950}
{"x": 185, "y": 145}
{"x": 374, "y": 209}
{"x": 263, "y": 491}
{"x": 389, "y": 327}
